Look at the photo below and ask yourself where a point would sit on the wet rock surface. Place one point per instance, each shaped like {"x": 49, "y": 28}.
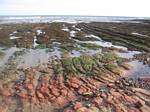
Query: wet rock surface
{"x": 77, "y": 75}
{"x": 72, "y": 89}
{"x": 143, "y": 57}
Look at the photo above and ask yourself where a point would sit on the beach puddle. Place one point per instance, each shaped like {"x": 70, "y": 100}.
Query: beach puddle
{"x": 99, "y": 41}
{"x": 8, "y": 53}
{"x": 138, "y": 70}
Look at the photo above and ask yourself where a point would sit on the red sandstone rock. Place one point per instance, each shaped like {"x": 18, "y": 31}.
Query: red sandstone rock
{"x": 3, "y": 109}
{"x": 117, "y": 108}
{"x": 44, "y": 91}
{"x": 64, "y": 92}
{"x": 98, "y": 101}
{"x": 55, "y": 92}
{"x": 82, "y": 90}
{"x": 61, "y": 101}
{"x": 74, "y": 85}
{"x": 82, "y": 109}
{"x": 51, "y": 98}
{"x": 116, "y": 100}
{"x": 145, "y": 109}
{"x": 29, "y": 86}
{"x": 126, "y": 66}
{"x": 44, "y": 82}
{"x": 75, "y": 80}
{"x": 143, "y": 91}
{"x": 94, "y": 82}
{"x": 69, "y": 110}
{"x": 103, "y": 95}
{"x": 129, "y": 99}
{"x": 71, "y": 96}
{"x": 6, "y": 92}
{"x": 77, "y": 105}
{"x": 110, "y": 98}
{"x": 23, "y": 94}
{"x": 30, "y": 76}
{"x": 110, "y": 85}
{"x": 39, "y": 95}
{"x": 34, "y": 100}
{"x": 132, "y": 109}
{"x": 116, "y": 94}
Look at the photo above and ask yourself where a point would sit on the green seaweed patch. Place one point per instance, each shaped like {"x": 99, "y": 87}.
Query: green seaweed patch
{"x": 86, "y": 65}
{"x": 41, "y": 46}
{"x": 91, "y": 46}
{"x": 2, "y": 53}
{"x": 110, "y": 66}
{"x": 108, "y": 57}
{"x": 69, "y": 47}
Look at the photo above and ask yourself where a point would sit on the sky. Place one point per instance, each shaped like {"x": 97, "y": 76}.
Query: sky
{"x": 132, "y": 8}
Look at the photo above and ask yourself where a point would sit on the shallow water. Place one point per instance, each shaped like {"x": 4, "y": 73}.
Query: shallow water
{"x": 35, "y": 57}
{"x": 102, "y": 44}
{"x": 128, "y": 54}
{"x": 8, "y": 53}
{"x": 138, "y": 69}
{"x": 90, "y": 52}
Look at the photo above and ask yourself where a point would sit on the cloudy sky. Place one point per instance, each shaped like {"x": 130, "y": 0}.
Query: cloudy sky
{"x": 138, "y": 8}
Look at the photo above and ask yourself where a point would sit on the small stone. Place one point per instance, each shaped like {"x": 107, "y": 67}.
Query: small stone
{"x": 75, "y": 80}
{"x": 6, "y": 92}
{"x": 29, "y": 86}
{"x": 71, "y": 96}
{"x": 39, "y": 95}
{"x": 110, "y": 97}
{"x": 77, "y": 105}
{"x": 55, "y": 92}
{"x": 23, "y": 94}
{"x": 64, "y": 92}
{"x": 103, "y": 95}
{"x": 82, "y": 90}
{"x": 98, "y": 101}
{"x": 82, "y": 109}
{"x": 61, "y": 101}
{"x": 74, "y": 85}
{"x": 93, "y": 109}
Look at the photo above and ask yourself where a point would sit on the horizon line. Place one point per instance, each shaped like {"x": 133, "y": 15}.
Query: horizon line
{"x": 76, "y": 15}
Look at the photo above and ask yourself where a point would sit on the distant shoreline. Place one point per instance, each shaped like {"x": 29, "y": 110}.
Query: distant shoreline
{"x": 71, "y": 16}
{"x": 68, "y": 19}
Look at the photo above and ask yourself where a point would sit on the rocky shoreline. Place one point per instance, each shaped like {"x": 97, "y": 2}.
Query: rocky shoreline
{"x": 62, "y": 67}
{"x": 68, "y": 88}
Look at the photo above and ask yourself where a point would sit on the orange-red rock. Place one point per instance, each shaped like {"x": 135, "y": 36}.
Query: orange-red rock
{"x": 82, "y": 109}
{"x": 75, "y": 80}
{"x": 110, "y": 98}
{"x": 64, "y": 92}
{"x": 98, "y": 100}
{"x": 129, "y": 99}
{"x": 55, "y": 92}
{"x": 29, "y": 86}
{"x": 74, "y": 85}
{"x": 23, "y": 94}
{"x": 71, "y": 96}
{"x": 61, "y": 101}
{"x": 39, "y": 95}
{"x": 103, "y": 95}
{"x": 77, "y": 105}
{"x": 82, "y": 90}
{"x": 6, "y": 92}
